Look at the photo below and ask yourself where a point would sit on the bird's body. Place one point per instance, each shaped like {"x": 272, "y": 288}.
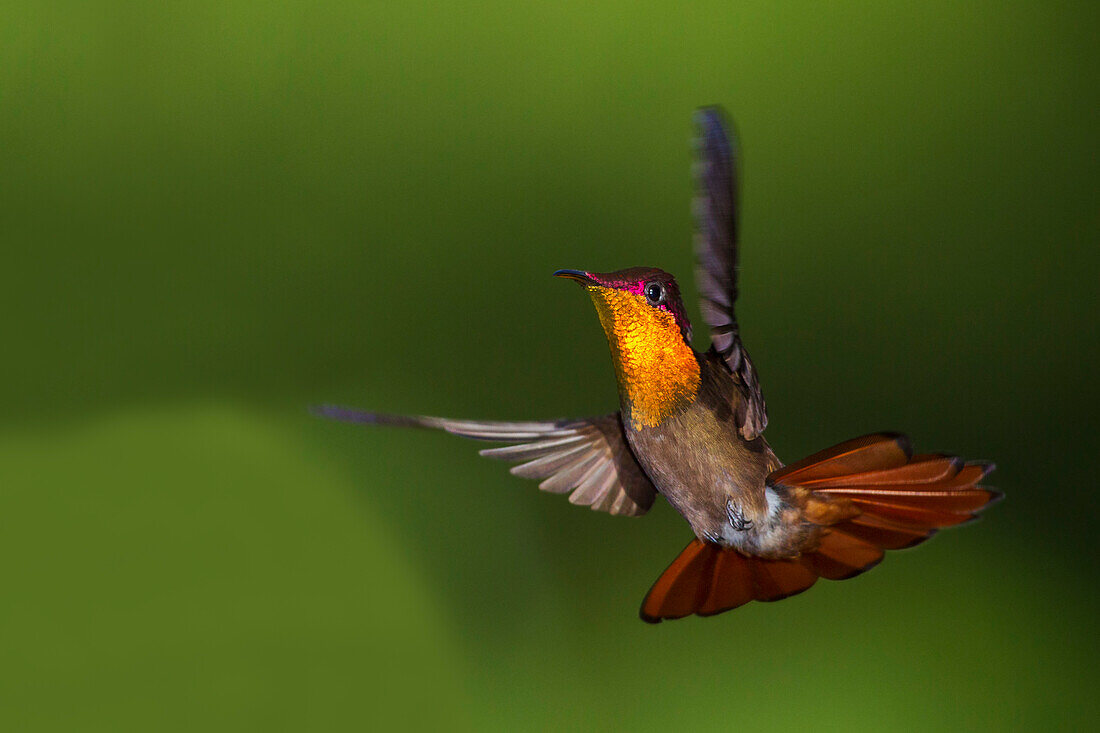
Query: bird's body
{"x": 720, "y": 489}
{"x": 690, "y": 427}
{"x": 679, "y": 410}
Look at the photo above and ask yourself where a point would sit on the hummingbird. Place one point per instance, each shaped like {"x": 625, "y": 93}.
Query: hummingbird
{"x": 691, "y": 428}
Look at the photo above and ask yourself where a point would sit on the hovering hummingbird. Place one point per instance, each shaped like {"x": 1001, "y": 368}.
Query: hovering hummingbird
{"x": 691, "y": 428}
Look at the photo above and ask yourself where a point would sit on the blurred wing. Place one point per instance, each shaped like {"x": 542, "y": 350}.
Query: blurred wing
{"x": 587, "y": 457}
{"x": 716, "y": 218}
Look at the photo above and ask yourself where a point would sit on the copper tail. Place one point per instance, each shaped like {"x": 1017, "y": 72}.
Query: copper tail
{"x": 886, "y": 498}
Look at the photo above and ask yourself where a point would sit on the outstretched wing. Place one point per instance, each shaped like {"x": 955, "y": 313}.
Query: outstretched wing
{"x": 587, "y": 457}
{"x": 716, "y": 218}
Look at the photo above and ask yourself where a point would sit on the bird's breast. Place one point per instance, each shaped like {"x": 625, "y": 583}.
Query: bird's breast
{"x": 700, "y": 462}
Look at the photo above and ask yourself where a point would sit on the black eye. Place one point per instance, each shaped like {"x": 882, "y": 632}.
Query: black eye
{"x": 654, "y": 293}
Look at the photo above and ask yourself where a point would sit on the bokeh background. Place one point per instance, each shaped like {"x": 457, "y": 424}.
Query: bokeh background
{"x": 216, "y": 213}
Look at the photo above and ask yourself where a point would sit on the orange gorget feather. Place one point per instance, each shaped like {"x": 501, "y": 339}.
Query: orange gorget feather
{"x": 657, "y": 371}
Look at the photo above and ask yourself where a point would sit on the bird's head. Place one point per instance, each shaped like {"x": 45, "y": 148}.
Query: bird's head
{"x": 649, "y": 334}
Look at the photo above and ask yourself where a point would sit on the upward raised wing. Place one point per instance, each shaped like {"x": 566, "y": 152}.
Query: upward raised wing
{"x": 716, "y": 220}
{"x": 588, "y": 457}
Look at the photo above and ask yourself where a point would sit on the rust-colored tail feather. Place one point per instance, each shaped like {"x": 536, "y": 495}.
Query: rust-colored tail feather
{"x": 898, "y": 500}
{"x": 731, "y": 585}
{"x": 707, "y": 579}
{"x": 871, "y": 452}
{"x": 884, "y": 533}
{"x": 840, "y": 556}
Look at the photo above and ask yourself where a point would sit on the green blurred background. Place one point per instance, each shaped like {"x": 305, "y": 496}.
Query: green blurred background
{"x": 217, "y": 213}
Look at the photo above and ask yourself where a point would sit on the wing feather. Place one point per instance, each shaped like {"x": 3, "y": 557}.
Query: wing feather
{"x": 589, "y": 458}
{"x": 716, "y": 240}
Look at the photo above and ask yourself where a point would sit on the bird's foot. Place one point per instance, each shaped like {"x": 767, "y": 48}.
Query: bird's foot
{"x": 737, "y": 517}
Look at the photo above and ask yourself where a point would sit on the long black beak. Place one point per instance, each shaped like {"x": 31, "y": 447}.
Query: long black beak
{"x": 581, "y": 277}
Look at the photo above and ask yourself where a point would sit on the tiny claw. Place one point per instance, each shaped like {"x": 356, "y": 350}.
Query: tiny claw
{"x": 736, "y": 517}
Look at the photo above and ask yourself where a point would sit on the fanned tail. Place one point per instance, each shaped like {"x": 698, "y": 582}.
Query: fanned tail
{"x": 707, "y": 579}
{"x": 872, "y": 493}
{"x": 888, "y": 497}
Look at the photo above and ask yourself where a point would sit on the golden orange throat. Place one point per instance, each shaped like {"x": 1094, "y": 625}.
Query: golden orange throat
{"x": 656, "y": 370}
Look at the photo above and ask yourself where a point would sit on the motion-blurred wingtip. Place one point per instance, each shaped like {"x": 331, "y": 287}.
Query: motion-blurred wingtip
{"x": 345, "y": 414}
{"x": 710, "y": 113}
